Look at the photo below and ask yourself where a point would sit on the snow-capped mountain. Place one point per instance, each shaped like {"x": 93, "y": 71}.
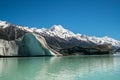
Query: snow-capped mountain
{"x": 59, "y": 31}
{"x": 59, "y": 34}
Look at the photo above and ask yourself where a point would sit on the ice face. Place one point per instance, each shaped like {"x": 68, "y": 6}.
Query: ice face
{"x": 8, "y": 48}
{"x": 32, "y": 47}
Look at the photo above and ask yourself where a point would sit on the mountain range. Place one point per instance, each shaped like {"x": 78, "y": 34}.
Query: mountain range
{"x": 60, "y": 34}
{"x": 57, "y": 37}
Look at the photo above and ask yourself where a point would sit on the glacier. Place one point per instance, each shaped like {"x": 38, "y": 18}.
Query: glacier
{"x": 8, "y": 48}
{"x": 29, "y": 45}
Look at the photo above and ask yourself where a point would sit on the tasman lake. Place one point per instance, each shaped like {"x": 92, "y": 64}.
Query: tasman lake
{"x": 61, "y": 68}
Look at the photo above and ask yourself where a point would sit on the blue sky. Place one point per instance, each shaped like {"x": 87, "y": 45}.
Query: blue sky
{"x": 90, "y": 17}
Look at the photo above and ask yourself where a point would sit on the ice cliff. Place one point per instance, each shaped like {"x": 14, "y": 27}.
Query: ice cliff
{"x": 8, "y": 48}
{"x": 29, "y": 45}
{"x": 32, "y": 45}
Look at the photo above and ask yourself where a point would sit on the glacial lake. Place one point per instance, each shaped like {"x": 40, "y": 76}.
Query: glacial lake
{"x": 61, "y": 68}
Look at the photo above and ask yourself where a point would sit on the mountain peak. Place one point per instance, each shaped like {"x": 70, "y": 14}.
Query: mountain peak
{"x": 57, "y": 28}
{"x": 60, "y": 31}
{"x": 3, "y": 22}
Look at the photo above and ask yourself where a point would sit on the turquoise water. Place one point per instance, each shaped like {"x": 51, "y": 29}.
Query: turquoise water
{"x": 61, "y": 68}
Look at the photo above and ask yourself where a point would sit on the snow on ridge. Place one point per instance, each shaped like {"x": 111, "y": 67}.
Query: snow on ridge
{"x": 4, "y": 24}
{"x": 57, "y": 28}
{"x": 60, "y": 31}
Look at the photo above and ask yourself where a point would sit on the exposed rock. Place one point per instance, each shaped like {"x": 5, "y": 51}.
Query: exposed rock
{"x": 11, "y": 32}
{"x": 98, "y": 50}
{"x": 118, "y": 50}
{"x": 58, "y": 43}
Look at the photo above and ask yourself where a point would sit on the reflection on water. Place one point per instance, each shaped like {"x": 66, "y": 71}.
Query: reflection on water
{"x": 60, "y": 68}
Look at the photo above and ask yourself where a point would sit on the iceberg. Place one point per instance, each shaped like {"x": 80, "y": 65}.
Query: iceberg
{"x": 31, "y": 46}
